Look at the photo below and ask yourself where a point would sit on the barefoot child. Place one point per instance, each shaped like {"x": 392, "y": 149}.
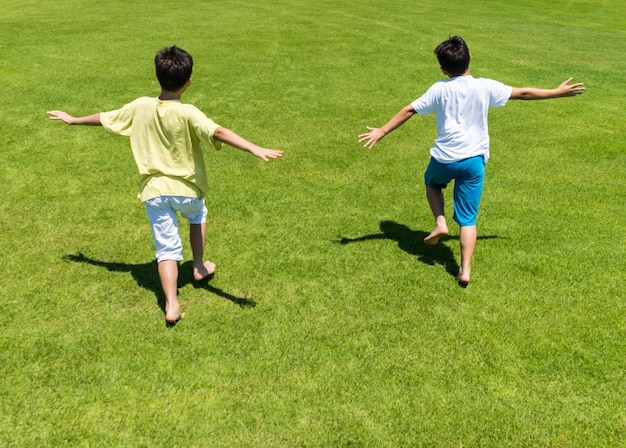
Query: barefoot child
{"x": 461, "y": 149}
{"x": 165, "y": 138}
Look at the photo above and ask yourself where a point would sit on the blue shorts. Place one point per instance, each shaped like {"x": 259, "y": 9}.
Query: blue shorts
{"x": 164, "y": 222}
{"x": 468, "y": 176}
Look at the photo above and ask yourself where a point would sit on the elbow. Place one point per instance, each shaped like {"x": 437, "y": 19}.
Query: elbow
{"x": 525, "y": 96}
{"x": 523, "y": 93}
{"x": 219, "y": 133}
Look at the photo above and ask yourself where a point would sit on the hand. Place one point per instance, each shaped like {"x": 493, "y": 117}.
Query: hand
{"x": 370, "y": 138}
{"x": 567, "y": 89}
{"x": 266, "y": 154}
{"x": 60, "y": 115}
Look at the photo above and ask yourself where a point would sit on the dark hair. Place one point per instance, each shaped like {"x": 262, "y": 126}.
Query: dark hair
{"x": 453, "y": 56}
{"x": 173, "y": 68}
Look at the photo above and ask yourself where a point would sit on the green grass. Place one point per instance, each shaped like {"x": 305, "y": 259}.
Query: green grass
{"x": 328, "y": 323}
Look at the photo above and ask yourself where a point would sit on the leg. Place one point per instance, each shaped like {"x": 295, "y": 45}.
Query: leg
{"x": 468, "y": 190}
{"x": 467, "y": 238}
{"x": 194, "y": 210}
{"x": 197, "y": 236}
{"x": 164, "y": 225}
{"x": 168, "y": 273}
{"x": 436, "y": 202}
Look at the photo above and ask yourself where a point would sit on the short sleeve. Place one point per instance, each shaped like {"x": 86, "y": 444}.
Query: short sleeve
{"x": 119, "y": 121}
{"x": 204, "y": 128}
{"x": 426, "y": 104}
{"x": 499, "y": 93}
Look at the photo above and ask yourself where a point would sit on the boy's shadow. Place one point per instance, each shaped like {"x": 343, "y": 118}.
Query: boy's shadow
{"x": 412, "y": 242}
{"x": 146, "y": 276}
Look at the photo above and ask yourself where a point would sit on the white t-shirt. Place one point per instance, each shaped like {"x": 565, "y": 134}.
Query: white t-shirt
{"x": 461, "y": 105}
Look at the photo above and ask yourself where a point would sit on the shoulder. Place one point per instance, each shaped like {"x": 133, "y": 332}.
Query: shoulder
{"x": 143, "y": 100}
{"x": 437, "y": 89}
{"x": 191, "y": 108}
{"x": 439, "y": 85}
{"x": 193, "y": 112}
{"x": 140, "y": 102}
{"x": 458, "y": 83}
{"x": 492, "y": 83}
{"x": 499, "y": 93}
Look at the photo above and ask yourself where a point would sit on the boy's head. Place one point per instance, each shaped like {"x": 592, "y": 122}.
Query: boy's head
{"x": 453, "y": 55}
{"x": 173, "y": 68}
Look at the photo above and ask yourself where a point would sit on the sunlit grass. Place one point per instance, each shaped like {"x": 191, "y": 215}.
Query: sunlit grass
{"x": 328, "y": 322}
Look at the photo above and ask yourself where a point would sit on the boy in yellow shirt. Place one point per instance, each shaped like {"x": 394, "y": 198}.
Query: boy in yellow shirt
{"x": 165, "y": 138}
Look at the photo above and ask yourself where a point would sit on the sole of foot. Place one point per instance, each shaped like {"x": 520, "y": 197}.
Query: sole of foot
{"x": 171, "y": 322}
{"x": 435, "y": 236}
{"x": 207, "y": 271}
{"x": 462, "y": 280}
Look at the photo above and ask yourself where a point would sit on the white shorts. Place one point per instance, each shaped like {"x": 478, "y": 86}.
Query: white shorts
{"x": 164, "y": 222}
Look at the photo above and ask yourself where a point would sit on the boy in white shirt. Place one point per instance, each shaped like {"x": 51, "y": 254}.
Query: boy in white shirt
{"x": 461, "y": 148}
{"x": 165, "y": 138}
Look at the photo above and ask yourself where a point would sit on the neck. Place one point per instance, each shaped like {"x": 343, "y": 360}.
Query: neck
{"x": 466, "y": 73}
{"x": 169, "y": 95}
{"x": 166, "y": 96}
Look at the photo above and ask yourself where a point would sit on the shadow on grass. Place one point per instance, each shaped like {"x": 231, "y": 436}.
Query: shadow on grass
{"x": 412, "y": 242}
{"x": 146, "y": 275}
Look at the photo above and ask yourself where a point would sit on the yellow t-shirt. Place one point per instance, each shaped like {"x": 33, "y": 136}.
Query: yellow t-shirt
{"x": 165, "y": 137}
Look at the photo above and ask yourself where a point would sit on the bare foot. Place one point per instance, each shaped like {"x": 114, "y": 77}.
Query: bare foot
{"x": 203, "y": 271}
{"x": 173, "y": 315}
{"x": 463, "y": 278}
{"x": 435, "y": 235}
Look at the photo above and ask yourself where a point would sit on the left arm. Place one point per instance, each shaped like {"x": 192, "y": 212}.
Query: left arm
{"x": 564, "y": 89}
{"x": 229, "y": 137}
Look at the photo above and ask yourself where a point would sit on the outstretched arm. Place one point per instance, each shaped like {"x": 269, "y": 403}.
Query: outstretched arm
{"x": 370, "y": 138}
{"x": 563, "y": 90}
{"x": 229, "y": 137}
{"x": 89, "y": 120}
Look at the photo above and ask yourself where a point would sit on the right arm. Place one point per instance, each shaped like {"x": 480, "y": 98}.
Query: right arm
{"x": 370, "y": 138}
{"x": 89, "y": 120}
{"x": 531, "y": 93}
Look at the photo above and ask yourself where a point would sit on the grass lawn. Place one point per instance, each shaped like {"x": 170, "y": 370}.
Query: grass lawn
{"x": 328, "y": 322}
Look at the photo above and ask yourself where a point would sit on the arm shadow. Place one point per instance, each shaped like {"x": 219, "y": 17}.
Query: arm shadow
{"x": 146, "y": 276}
{"x": 412, "y": 242}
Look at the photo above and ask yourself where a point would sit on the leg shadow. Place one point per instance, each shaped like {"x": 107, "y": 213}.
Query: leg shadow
{"x": 412, "y": 242}
{"x": 147, "y": 277}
